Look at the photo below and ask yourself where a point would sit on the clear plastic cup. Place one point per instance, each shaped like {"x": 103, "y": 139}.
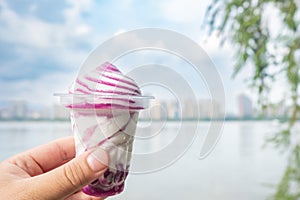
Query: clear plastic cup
{"x": 108, "y": 122}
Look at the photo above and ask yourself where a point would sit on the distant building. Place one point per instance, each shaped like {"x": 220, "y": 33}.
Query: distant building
{"x": 190, "y": 109}
{"x": 245, "y": 106}
{"x": 16, "y": 110}
{"x": 209, "y": 109}
{"x": 3, "y": 113}
{"x": 173, "y": 109}
{"x": 158, "y": 110}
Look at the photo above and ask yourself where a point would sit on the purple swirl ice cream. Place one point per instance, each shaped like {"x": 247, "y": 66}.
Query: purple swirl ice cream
{"x": 104, "y": 112}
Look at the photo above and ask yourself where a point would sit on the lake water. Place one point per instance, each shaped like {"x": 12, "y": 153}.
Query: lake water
{"x": 238, "y": 168}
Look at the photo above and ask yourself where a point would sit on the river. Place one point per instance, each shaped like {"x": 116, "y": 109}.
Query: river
{"x": 238, "y": 168}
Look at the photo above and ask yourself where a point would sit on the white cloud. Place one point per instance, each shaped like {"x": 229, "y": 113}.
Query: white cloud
{"x": 34, "y": 38}
{"x": 17, "y": 30}
{"x": 57, "y": 41}
{"x": 33, "y": 7}
{"x": 183, "y": 11}
{"x": 82, "y": 30}
{"x": 38, "y": 91}
{"x": 72, "y": 14}
{"x": 36, "y": 33}
{"x": 28, "y": 32}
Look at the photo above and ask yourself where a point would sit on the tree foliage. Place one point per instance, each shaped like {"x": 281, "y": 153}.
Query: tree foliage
{"x": 266, "y": 38}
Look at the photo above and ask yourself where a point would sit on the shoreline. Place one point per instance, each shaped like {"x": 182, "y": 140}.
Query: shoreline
{"x": 159, "y": 120}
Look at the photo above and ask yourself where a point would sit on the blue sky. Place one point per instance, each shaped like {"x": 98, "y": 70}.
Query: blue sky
{"x": 43, "y": 43}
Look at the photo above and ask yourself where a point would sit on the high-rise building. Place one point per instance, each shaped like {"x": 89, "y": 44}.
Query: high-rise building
{"x": 17, "y": 110}
{"x": 190, "y": 109}
{"x": 161, "y": 110}
{"x": 245, "y": 106}
{"x": 209, "y": 109}
{"x": 173, "y": 109}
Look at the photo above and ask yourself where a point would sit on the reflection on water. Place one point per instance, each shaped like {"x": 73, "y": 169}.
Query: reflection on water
{"x": 246, "y": 139}
{"x": 156, "y": 136}
{"x": 236, "y": 169}
{"x": 162, "y": 145}
{"x": 19, "y": 136}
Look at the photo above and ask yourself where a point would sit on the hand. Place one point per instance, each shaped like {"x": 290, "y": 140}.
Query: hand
{"x": 50, "y": 171}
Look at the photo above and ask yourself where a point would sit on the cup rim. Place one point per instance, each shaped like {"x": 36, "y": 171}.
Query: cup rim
{"x": 68, "y": 95}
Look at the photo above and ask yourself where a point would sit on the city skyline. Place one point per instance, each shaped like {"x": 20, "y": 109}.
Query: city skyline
{"x": 159, "y": 109}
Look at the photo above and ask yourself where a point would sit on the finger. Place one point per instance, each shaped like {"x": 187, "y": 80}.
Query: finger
{"x": 45, "y": 157}
{"x": 51, "y": 155}
{"x": 72, "y": 176}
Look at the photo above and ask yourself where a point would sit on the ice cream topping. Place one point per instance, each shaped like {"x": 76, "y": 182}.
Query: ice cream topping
{"x": 108, "y": 79}
{"x": 105, "y": 81}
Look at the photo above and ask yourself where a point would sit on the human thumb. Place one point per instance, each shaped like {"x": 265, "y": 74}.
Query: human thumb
{"x": 72, "y": 176}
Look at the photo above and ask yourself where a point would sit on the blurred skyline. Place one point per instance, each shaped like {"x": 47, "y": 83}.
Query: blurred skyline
{"x": 43, "y": 43}
{"x": 159, "y": 110}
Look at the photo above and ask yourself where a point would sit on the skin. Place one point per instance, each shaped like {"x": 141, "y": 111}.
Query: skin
{"x": 50, "y": 171}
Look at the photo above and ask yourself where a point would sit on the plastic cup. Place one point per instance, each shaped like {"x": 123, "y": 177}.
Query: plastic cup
{"x": 107, "y": 122}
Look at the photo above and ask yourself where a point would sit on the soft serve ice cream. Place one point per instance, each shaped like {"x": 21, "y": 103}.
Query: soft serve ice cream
{"x": 104, "y": 111}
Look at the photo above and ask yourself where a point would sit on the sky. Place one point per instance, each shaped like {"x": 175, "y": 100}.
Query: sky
{"x": 43, "y": 43}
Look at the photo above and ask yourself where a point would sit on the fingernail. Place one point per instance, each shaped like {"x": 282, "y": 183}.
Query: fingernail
{"x": 98, "y": 160}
